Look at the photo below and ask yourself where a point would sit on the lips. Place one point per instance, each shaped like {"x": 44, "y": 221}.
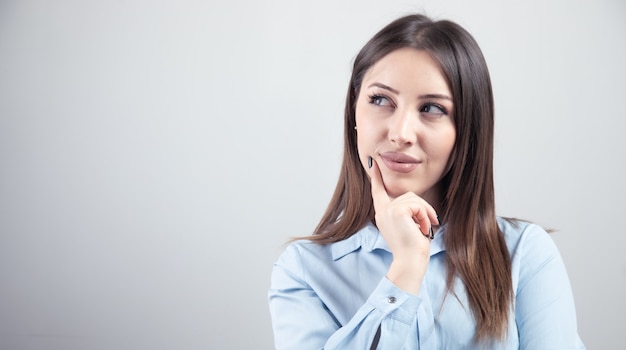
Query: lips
{"x": 399, "y": 162}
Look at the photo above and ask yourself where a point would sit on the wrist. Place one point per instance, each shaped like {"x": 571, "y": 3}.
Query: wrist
{"x": 407, "y": 273}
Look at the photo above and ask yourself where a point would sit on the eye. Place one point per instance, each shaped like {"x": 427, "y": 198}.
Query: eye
{"x": 433, "y": 109}
{"x": 380, "y": 100}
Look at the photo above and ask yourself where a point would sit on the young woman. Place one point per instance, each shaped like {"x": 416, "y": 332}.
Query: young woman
{"x": 410, "y": 253}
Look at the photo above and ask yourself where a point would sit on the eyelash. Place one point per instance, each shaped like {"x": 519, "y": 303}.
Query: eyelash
{"x": 373, "y": 98}
{"x": 376, "y": 97}
{"x": 443, "y": 110}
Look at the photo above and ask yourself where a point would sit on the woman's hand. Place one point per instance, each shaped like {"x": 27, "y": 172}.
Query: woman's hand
{"x": 406, "y": 224}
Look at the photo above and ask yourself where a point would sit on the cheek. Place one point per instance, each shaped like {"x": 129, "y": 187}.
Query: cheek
{"x": 368, "y": 136}
{"x": 449, "y": 140}
{"x": 363, "y": 142}
{"x": 442, "y": 144}
{"x": 367, "y": 133}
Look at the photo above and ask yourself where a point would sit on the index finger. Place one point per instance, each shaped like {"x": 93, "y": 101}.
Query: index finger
{"x": 379, "y": 193}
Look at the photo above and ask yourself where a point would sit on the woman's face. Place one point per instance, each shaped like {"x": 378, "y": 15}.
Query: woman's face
{"x": 404, "y": 121}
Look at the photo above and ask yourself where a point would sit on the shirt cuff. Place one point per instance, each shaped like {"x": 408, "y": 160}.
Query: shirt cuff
{"x": 394, "y": 302}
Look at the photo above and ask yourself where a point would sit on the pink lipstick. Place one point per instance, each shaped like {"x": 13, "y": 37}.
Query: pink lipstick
{"x": 399, "y": 162}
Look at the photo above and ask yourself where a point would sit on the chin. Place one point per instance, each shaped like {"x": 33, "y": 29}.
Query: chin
{"x": 397, "y": 188}
{"x": 397, "y": 191}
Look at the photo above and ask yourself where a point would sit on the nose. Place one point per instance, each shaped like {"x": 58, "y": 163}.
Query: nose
{"x": 402, "y": 128}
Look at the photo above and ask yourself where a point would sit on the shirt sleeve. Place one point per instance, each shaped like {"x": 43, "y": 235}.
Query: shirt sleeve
{"x": 544, "y": 309}
{"x": 301, "y": 320}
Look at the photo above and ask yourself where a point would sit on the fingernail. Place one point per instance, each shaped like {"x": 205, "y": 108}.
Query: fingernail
{"x": 432, "y": 234}
{"x": 438, "y": 220}
{"x": 369, "y": 162}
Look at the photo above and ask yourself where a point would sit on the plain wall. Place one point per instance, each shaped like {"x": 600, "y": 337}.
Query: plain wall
{"x": 156, "y": 155}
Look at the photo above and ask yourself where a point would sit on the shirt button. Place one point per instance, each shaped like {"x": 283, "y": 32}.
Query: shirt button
{"x": 391, "y": 300}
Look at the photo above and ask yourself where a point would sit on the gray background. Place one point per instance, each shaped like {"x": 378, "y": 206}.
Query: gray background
{"x": 155, "y": 156}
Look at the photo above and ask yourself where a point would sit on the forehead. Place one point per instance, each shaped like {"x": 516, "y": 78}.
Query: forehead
{"x": 407, "y": 69}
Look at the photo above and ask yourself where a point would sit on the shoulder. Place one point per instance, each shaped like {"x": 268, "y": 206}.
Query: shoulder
{"x": 533, "y": 252}
{"x": 304, "y": 253}
{"x": 521, "y": 236}
{"x": 299, "y": 253}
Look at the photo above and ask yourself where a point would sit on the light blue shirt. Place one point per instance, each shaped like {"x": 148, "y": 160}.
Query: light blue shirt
{"x": 336, "y": 296}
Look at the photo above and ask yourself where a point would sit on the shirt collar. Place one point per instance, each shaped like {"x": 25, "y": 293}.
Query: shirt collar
{"x": 369, "y": 239}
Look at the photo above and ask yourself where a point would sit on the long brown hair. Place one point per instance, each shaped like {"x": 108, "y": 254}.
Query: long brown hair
{"x": 475, "y": 247}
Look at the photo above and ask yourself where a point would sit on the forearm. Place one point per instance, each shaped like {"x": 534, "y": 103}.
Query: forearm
{"x": 301, "y": 320}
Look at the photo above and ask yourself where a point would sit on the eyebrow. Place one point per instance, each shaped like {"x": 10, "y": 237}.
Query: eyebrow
{"x": 436, "y": 96}
{"x": 389, "y": 88}
{"x": 383, "y": 86}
